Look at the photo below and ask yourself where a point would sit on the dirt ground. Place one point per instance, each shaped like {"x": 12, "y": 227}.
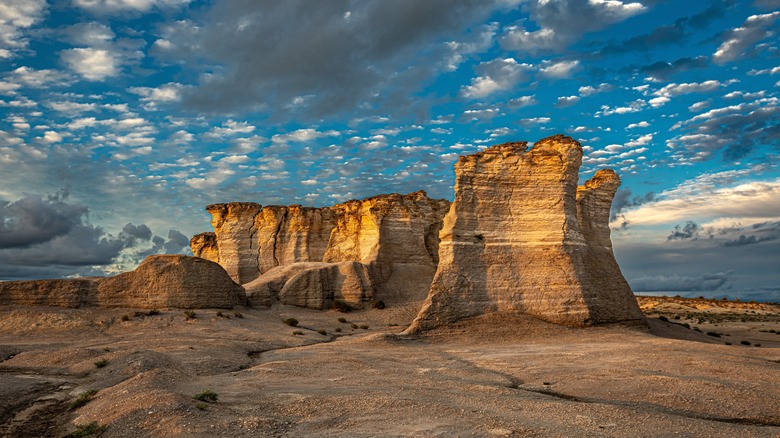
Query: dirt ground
{"x": 492, "y": 376}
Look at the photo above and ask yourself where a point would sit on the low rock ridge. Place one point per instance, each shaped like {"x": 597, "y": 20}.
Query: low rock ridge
{"x": 390, "y": 242}
{"x": 522, "y": 238}
{"x": 160, "y": 281}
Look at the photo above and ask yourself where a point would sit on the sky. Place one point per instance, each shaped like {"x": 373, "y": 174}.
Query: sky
{"x": 120, "y": 120}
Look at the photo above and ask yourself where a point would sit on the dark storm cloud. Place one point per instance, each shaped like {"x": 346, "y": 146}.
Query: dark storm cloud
{"x": 664, "y": 70}
{"x": 332, "y": 56}
{"x": 34, "y": 219}
{"x": 691, "y": 230}
{"x": 749, "y": 240}
{"x": 623, "y": 200}
{"x": 706, "y": 282}
{"x": 46, "y": 237}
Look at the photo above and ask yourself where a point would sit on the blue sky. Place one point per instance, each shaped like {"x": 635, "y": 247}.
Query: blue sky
{"x": 121, "y": 119}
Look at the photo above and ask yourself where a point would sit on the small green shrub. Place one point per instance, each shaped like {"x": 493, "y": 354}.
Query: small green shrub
{"x": 201, "y": 406}
{"x": 220, "y": 314}
{"x": 756, "y": 345}
{"x": 337, "y": 330}
{"x": 342, "y": 320}
{"x": 138, "y": 314}
{"x": 378, "y": 304}
{"x": 713, "y": 334}
{"x": 238, "y": 314}
{"x": 101, "y": 363}
{"x": 728, "y": 343}
{"x": 125, "y": 317}
{"x": 745, "y": 342}
{"x": 189, "y": 314}
{"x": 364, "y": 327}
{"x": 292, "y": 322}
{"x": 297, "y": 333}
{"x": 354, "y": 326}
{"x": 153, "y": 312}
{"x": 87, "y": 430}
{"x": 206, "y": 396}
{"x": 83, "y": 399}
{"x": 341, "y": 306}
{"x": 323, "y": 332}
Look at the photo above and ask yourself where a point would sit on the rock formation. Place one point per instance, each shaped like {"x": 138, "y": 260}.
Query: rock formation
{"x": 171, "y": 281}
{"x": 159, "y": 282}
{"x": 522, "y": 238}
{"x": 58, "y": 293}
{"x": 394, "y": 237}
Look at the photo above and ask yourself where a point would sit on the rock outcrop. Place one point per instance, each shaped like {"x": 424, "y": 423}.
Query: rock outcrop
{"x": 159, "y": 282}
{"x": 522, "y": 238}
{"x": 171, "y": 281}
{"x": 393, "y": 238}
{"x": 58, "y": 293}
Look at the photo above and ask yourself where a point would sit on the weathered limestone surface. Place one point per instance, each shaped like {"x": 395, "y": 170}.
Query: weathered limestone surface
{"x": 171, "y": 281}
{"x": 235, "y": 230}
{"x": 519, "y": 239}
{"x": 394, "y": 237}
{"x": 204, "y": 245}
{"x": 60, "y": 293}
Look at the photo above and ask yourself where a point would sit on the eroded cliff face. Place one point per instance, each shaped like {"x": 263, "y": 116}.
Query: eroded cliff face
{"x": 394, "y": 237}
{"x": 522, "y": 238}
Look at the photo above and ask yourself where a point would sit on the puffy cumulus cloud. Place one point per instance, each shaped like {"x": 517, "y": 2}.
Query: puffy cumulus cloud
{"x": 589, "y": 90}
{"x": 533, "y": 121}
{"x": 91, "y": 34}
{"x": 30, "y": 77}
{"x": 303, "y": 135}
{"x": 676, "y": 282}
{"x": 154, "y": 97}
{"x": 559, "y": 69}
{"x": 15, "y": 17}
{"x": 562, "y": 22}
{"x": 689, "y": 231}
{"x": 741, "y": 41}
{"x": 735, "y": 131}
{"x": 566, "y": 101}
{"x": 496, "y": 76}
{"x": 230, "y": 128}
{"x": 118, "y": 6}
{"x": 687, "y": 88}
{"x": 91, "y": 63}
{"x": 34, "y": 219}
{"x": 339, "y": 55}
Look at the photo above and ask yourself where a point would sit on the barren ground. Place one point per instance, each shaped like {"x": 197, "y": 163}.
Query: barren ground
{"x": 486, "y": 377}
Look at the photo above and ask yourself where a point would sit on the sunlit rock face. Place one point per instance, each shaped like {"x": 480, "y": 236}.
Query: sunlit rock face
{"x": 394, "y": 239}
{"x": 179, "y": 281}
{"x": 521, "y": 237}
{"x": 70, "y": 293}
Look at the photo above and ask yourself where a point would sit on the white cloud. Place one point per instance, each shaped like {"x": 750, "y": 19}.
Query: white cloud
{"x": 657, "y": 102}
{"x": 15, "y": 16}
{"x": 559, "y": 69}
{"x": 51, "y": 137}
{"x": 92, "y": 64}
{"x": 116, "y": 6}
{"x": 672, "y": 90}
{"x": 698, "y": 106}
{"x": 33, "y": 78}
{"x": 494, "y": 76}
{"x": 565, "y": 101}
{"x": 231, "y": 127}
{"x": 632, "y": 107}
{"x": 642, "y": 124}
{"x": 531, "y": 121}
{"x": 170, "y": 92}
{"x": 741, "y": 39}
{"x": 588, "y": 90}
{"x": 71, "y": 107}
{"x": 234, "y": 159}
{"x": 303, "y": 135}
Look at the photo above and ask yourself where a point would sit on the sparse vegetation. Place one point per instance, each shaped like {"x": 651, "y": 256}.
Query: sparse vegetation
{"x": 83, "y": 399}
{"x": 298, "y": 333}
{"x": 354, "y": 326}
{"x": 342, "y": 320}
{"x": 341, "y": 306}
{"x": 323, "y": 332}
{"x": 364, "y": 327}
{"x": 238, "y": 314}
{"x": 153, "y": 312}
{"x": 206, "y": 396}
{"x": 292, "y": 322}
{"x": 713, "y": 334}
{"x": 189, "y": 314}
{"x": 728, "y": 343}
{"x": 201, "y": 406}
{"x": 101, "y": 363}
{"x": 745, "y": 342}
{"x": 378, "y": 304}
{"x": 337, "y": 330}
{"x": 86, "y": 430}
{"x": 222, "y": 315}
{"x": 125, "y": 317}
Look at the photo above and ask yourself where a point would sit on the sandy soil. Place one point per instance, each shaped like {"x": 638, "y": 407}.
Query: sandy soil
{"x": 504, "y": 377}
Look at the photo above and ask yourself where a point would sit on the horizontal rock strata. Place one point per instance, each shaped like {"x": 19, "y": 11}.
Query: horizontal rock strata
{"x": 161, "y": 281}
{"x": 394, "y": 237}
{"x": 522, "y": 238}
